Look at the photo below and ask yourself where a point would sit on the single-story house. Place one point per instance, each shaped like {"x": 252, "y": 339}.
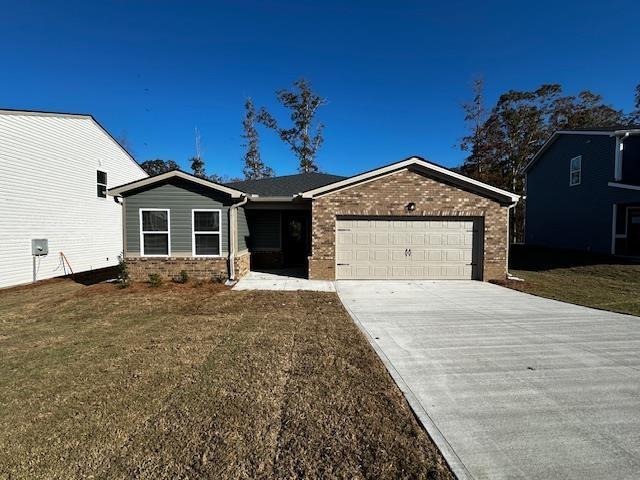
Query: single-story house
{"x": 412, "y": 219}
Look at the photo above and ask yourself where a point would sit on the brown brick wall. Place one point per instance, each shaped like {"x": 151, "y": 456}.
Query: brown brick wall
{"x": 242, "y": 264}
{"x": 168, "y": 268}
{"x": 388, "y": 196}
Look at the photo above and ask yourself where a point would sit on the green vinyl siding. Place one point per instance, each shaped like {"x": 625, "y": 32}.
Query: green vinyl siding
{"x": 180, "y": 198}
{"x": 243, "y": 230}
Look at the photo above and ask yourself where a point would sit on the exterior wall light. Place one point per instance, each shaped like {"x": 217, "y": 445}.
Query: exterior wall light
{"x": 410, "y": 207}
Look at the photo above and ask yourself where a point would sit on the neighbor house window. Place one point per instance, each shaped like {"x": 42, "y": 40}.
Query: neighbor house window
{"x": 102, "y": 184}
{"x": 207, "y": 238}
{"x": 154, "y": 232}
{"x": 575, "y": 171}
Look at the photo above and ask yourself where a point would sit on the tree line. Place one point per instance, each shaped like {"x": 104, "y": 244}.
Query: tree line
{"x": 304, "y": 136}
{"x": 500, "y": 141}
{"x": 503, "y": 138}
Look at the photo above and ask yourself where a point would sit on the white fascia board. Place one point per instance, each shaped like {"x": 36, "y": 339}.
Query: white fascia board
{"x": 413, "y": 161}
{"x": 175, "y": 173}
{"x": 624, "y": 185}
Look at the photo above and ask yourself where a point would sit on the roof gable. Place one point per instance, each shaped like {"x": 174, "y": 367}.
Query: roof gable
{"x": 609, "y": 131}
{"x": 419, "y": 164}
{"x": 127, "y": 187}
{"x": 80, "y": 116}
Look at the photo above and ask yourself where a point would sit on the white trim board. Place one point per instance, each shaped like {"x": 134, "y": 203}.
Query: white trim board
{"x": 168, "y": 175}
{"x": 624, "y": 185}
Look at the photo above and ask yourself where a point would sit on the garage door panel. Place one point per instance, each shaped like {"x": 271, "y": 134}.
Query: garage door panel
{"x": 404, "y": 249}
{"x": 381, "y": 238}
{"x": 398, "y": 255}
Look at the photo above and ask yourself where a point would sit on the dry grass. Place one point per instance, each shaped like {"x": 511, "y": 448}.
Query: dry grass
{"x": 603, "y": 282}
{"x": 184, "y": 382}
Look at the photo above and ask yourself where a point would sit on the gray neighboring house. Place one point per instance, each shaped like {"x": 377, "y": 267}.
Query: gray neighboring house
{"x": 583, "y": 192}
{"x": 411, "y": 219}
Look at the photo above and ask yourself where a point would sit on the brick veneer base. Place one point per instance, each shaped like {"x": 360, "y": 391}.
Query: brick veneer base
{"x": 168, "y": 268}
{"x": 388, "y": 196}
{"x": 197, "y": 268}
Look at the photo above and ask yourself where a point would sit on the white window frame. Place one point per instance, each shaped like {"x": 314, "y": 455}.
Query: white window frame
{"x": 103, "y": 184}
{"x": 168, "y": 232}
{"x": 572, "y": 171}
{"x": 193, "y": 232}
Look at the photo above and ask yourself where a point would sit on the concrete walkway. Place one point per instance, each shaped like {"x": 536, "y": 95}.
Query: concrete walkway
{"x": 282, "y": 280}
{"x": 510, "y": 385}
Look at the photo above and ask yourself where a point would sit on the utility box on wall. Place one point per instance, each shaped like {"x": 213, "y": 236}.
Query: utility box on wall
{"x": 39, "y": 246}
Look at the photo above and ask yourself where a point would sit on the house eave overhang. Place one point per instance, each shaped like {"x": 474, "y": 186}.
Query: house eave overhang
{"x": 419, "y": 164}
{"x": 145, "y": 182}
{"x": 556, "y": 134}
{"x": 272, "y": 198}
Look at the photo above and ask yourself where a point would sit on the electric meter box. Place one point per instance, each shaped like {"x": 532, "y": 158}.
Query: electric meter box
{"x": 39, "y": 246}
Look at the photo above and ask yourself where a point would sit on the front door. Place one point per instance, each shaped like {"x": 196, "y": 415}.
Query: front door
{"x": 295, "y": 238}
{"x": 633, "y": 231}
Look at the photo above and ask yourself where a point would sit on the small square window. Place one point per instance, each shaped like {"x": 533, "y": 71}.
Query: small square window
{"x": 101, "y": 179}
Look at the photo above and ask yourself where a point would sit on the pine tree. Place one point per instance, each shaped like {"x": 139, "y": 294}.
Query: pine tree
{"x": 304, "y": 137}
{"x": 254, "y": 167}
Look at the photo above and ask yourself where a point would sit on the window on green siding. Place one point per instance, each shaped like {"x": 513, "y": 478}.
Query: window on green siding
{"x": 206, "y": 233}
{"x": 575, "y": 171}
{"x": 101, "y": 180}
{"x": 154, "y": 233}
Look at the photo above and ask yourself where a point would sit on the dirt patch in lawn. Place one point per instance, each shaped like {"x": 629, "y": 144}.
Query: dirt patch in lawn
{"x": 197, "y": 382}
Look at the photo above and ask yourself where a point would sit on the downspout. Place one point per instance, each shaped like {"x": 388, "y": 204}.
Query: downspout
{"x": 233, "y": 235}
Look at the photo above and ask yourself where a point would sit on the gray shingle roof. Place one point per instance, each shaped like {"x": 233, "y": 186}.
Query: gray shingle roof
{"x": 286, "y": 185}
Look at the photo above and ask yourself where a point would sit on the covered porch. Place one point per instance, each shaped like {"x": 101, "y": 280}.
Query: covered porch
{"x": 278, "y": 237}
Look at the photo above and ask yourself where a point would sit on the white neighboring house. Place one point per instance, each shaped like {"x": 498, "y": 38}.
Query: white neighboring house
{"x": 54, "y": 172}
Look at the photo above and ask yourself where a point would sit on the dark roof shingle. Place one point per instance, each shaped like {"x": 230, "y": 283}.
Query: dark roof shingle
{"x": 285, "y": 186}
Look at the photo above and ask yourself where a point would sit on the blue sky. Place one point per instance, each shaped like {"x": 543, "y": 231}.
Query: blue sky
{"x": 394, "y": 73}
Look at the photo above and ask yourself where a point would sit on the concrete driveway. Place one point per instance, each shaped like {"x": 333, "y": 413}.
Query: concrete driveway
{"x": 510, "y": 385}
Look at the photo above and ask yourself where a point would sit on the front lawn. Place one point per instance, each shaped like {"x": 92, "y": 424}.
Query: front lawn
{"x": 603, "y": 282}
{"x": 190, "y": 381}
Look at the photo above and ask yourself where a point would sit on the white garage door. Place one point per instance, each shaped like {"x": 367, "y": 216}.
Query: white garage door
{"x": 404, "y": 249}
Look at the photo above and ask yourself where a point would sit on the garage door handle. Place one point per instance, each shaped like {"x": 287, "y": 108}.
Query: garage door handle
{"x": 407, "y": 252}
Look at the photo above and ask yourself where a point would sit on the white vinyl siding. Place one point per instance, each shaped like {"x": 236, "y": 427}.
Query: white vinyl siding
{"x": 206, "y": 240}
{"x": 575, "y": 171}
{"x": 48, "y": 170}
{"x": 404, "y": 249}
